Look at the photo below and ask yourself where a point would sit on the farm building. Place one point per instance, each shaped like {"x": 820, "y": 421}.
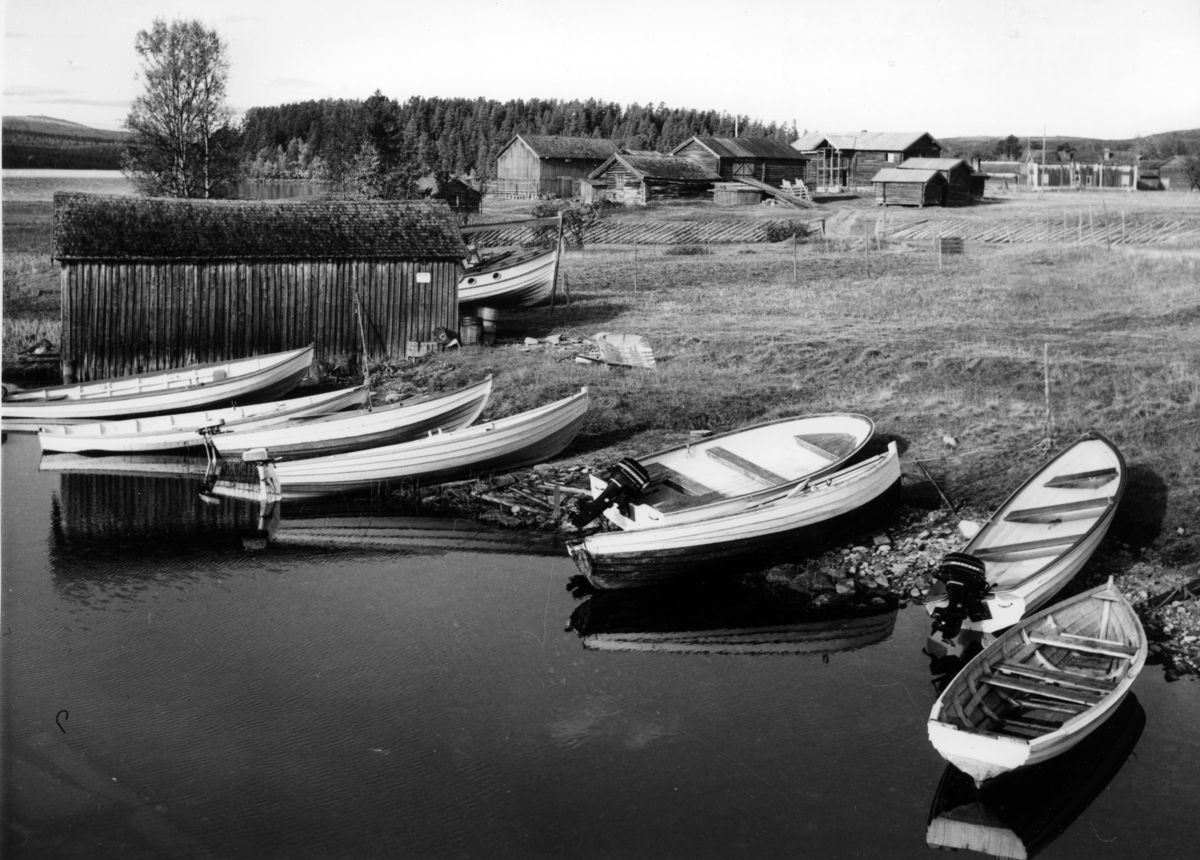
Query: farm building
{"x": 848, "y": 162}
{"x": 1173, "y": 174}
{"x": 734, "y": 158}
{"x": 532, "y": 165}
{"x": 912, "y": 187}
{"x": 150, "y": 283}
{"x": 461, "y": 196}
{"x": 634, "y": 178}
{"x": 963, "y": 184}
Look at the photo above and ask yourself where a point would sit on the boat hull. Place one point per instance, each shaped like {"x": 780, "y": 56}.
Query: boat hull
{"x": 524, "y": 284}
{"x": 824, "y": 513}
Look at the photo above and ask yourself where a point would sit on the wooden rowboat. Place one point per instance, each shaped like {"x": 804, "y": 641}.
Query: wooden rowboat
{"x": 1044, "y": 532}
{"x": 505, "y": 443}
{"x": 732, "y": 471}
{"x": 260, "y": 378}
{"x": 355, "y": 431}
{"x": 1042, "y": 687}
{"x": 811, "y": 515}
{"x": 182, "y": 429}
{"x": 509, "y": 280}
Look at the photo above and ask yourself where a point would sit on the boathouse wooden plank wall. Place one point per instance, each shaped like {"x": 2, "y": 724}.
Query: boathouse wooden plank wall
{"x": 151, "y": 284}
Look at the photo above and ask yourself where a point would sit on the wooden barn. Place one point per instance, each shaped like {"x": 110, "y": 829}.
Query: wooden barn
{"x": 963, "y": 184}
{"x": 151, "y": 283}
{"x": 735, "y": 158}
{"x": 534, "y": 165}
{"x": 640, "y": 178}
{"x": 849, "y": 162}
{"x": 896, "y": 187}
{"x": 461, "y": 196}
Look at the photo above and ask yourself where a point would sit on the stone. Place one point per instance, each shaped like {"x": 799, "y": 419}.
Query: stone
{"x": 504, "y": 481}
{"x": 544, "y": 469}
{"x": 846, "y": 586}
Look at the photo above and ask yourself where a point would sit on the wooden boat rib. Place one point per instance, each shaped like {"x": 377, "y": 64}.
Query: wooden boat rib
{"x": 812, "y": 514}
{"x": 182, "y": 429}
{"x": 731, "y": 471}
{"x": 262, "y": 377}
{"x": 505, "y": 443}
{"x": 513, "y": 280}
{"x": 341, "y": 433}
{"x": 1042, "y": 687}
{"x": 1045, "y": 532}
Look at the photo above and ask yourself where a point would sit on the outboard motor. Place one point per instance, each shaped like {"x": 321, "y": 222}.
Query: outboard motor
{"x": 967, "y": 591}
{"x": 627, "y": 479}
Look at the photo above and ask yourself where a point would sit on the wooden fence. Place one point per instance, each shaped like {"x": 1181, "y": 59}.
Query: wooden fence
{"x": 662, "y": 232}
{"x": 1080, "y": 228}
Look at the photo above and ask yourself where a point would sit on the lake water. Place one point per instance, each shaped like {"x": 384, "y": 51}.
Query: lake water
{"x": 315, "y": 698}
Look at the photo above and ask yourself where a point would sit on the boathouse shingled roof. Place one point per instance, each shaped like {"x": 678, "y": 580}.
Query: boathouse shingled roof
{"x": 745, "y": 147}
{"x": 552, "y": 146}
{"x": 664, "y": 167}
{"x": 96, "y": 227}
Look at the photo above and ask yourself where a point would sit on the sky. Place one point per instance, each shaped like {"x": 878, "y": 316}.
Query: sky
{"x": 1080, "y": 68}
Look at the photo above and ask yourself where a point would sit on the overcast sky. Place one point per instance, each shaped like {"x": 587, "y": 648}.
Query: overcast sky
{"x": 1088, "y": 68}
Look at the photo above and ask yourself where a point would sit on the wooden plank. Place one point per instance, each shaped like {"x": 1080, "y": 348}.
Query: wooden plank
{"x": 664, "y": 475}
{"x": 1048, "y": 691}
{"x": 820, "y": 452}
{"x": 1070, "y": 708}
{"x": 1026, "y": 546}
{"x": 1090, "y": 646}
{"x": 740, "y": 464}
{"x": 1078, "y": 480}
{"x": 1058, "y": 677}
{"x": 1048, "y": 513}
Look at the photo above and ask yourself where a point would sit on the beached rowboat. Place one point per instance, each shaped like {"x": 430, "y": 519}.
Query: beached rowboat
{"x": 505, "y": 443}
{"x": 1042, "y": 535}
{"x": 1042, "y": 687}
{"x": 355, "y": 431}
{"x": 260, "y": 378}
{"x": 811, "y": 515}
{"x": 179, "y": 430}
{"x": 513, "y": 279}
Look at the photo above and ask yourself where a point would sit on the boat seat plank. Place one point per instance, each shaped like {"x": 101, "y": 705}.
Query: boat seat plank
{"x": 1048, "y": 513}
{"x": 677, "y": 502}
{"x": 813, "y": 449}
{"x": 1058, "y": 707}
{"x": 1026, "y": 546}
{"x": 741, "y": 464}
{"x": 1091, "y": 646}
{"x": 661, "y": 475}
{"x": 1037, "y": 688}
{"x": 1080, "y": 480}
{"x": 1057, "y": 677}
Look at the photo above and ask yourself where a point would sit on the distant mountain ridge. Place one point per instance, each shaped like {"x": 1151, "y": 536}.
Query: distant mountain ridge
{"x": 50, "y": 143}
{"x": 1152, "y": 146}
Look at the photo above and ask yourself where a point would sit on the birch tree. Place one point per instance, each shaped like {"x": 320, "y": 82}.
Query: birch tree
{"x": 182, "y": 142}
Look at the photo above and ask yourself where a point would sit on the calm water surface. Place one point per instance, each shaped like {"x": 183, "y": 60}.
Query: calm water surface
{"x": 418, "y": 701}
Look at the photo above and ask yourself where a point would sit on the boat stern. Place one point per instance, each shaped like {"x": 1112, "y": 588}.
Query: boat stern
{"x": 582, "y": 558}
{"x": 980, "y": 756}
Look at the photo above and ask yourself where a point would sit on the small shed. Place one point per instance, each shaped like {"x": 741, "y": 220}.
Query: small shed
{"x": 461, "y": 196}
{"x": 736, "y": 194}
{"x": 896, "y": 187}
{"x": 533, "y": 165}
{"x": 733, "y": 158}
{"x": 1173, "y": 174}
{"x": 641, "y": 178}
{"x": 153, "y": 283}
{"x": 963, "y": 184}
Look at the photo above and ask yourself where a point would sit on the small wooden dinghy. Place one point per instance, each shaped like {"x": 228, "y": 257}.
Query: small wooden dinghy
{"x": 182, "y": 429}
{"x": 731, "y": 471}
{"x": 506, "y": 443}
{"x": 262, "y": 377}
{"x": 356, "y": 431}
{"x": 812, "y": 514}
{"x": 509, "y": 280}
{"x": 1042, "y": 687}
{"x": 1044, "y": 532}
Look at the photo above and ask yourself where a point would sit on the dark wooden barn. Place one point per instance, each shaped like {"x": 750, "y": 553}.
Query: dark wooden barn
{"x": 735, "y": 158}
{"x": 533, "y": 165}
{"x": 896, "y": 187}
{"x": 149, "y": 283}
{"x": 849, "y": 162}
{"x": 963, "y": 184}
{"x": 461, "y": 196}
{"x": 640, "y": 178}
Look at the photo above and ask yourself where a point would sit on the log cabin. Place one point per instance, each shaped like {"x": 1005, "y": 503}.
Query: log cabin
{"x": 963, "y": 184}
{"x": 639, "y": 178}
{"x": 733, "y": 158}
{"x": 534, "y": 165}
{"x": 896, "y": 187}
{"x": 848, "y": 162}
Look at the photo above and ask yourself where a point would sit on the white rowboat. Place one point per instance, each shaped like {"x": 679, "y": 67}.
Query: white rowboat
{"x": 1042, "y": 687}
{"x": 511, "y": 280}
{"x": 262, "y": 377}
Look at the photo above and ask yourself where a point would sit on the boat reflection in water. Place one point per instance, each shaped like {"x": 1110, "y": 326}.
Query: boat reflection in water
{"x": 407, "y": 535}
{"x": 721, "y": 618}
{"x": 1018, "y": 814}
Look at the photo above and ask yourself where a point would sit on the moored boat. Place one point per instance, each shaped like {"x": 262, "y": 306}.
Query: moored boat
{"x": 1039, "y": 538}
{"x": 259, "y": 378}
{"x": 341, "y": 433}
{"x": 511, "y": 279}
{"x": 1042, "y": 687}
{"x": 178, "y": 430}
{"x": 811, "y": 515}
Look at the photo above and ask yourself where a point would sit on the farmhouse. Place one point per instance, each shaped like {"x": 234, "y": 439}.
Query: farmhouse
{"x": 846, "y": 162}
{"x": 531, "y": 165}
{"x": 150, "y": 284}
{"x": 735, "y": 158}
{"x": 963, "y": 184}
{"x": 640, "y": 177}
{"x": 912, "y": 187}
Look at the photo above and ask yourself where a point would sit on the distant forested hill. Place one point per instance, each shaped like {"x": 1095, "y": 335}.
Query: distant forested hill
{"x": 45, "y": 142}
{"x": 319, "y": 139}
{"x": 1152, "y": 146}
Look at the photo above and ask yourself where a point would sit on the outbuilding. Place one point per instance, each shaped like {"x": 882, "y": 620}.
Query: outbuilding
{"x": 153, "y": 283}
{"x": 897, "y": 187}
{"x": 639, "y": 178}
{"x": 848, "y": 162}
{"x": 533, "y": 165}
{"x": 963, "y": 184}
{"x": 1173, "y": 174}
{"x": 734, "y": 158}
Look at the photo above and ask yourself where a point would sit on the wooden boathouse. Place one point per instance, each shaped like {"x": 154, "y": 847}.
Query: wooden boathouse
{"x": 533, "y": 165}
{"x": 640, "y": 178}
{"x": 153, "y": 283}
